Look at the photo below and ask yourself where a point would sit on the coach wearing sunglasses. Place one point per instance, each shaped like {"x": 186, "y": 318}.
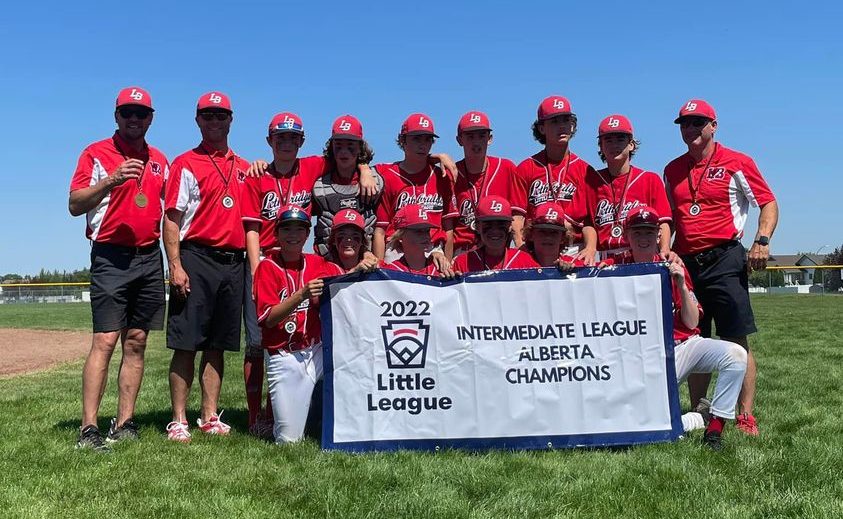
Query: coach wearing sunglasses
{"x": 710, "y": 189}
{"x": 205, "y": 241}
{"x": 119, "y": 185}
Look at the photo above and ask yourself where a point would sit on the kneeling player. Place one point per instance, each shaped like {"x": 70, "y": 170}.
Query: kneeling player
{"x": 412, "y": 243}
{"x": 288, "y": 284}
{"x": 692, "y": 353}
{"x": 494, "y": 225}
{"x": 545, "y": 238}
{"x": 347, "y": 245}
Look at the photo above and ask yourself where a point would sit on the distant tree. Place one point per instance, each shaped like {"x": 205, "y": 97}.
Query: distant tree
{"x": 832, "y": 279}
{"x": 766, "y": 278}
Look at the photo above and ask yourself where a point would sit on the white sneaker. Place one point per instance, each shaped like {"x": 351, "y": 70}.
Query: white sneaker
{"x": 178, "y": 432}
{"x": 214, "y": 425}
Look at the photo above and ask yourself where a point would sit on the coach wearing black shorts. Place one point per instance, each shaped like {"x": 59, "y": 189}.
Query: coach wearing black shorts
{"x": 711, "y": 188}
{"x": 118, "y": 184}
{"x": 205, "y": 241}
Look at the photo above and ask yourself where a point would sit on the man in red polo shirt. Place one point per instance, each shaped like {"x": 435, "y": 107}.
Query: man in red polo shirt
{"x": 480, "y": 175}
{"x": 414, "y": 180}
{"x": 119, "y": 184}
{"x": 607, "y": 196}
{"x": 711, "y": 189}
{"x": 204, "y": 239}
{"x": 553, "y": 174}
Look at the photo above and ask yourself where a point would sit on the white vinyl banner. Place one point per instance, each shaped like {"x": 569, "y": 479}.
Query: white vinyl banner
{"x": 512, "y": 359}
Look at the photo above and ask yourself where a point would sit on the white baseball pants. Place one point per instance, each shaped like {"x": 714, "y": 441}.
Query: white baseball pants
{"x": 291, "y": 378}
{"x": 727, "y": 359}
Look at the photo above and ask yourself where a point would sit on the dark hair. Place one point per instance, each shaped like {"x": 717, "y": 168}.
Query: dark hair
{"x": 539, "y": 136}
{"x": 636, "y": 143}
{"x": 402, "y": 137}
{"x": 366, "y": 154}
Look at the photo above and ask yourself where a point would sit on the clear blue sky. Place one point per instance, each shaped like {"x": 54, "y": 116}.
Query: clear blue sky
{"x": 772, "y": 70}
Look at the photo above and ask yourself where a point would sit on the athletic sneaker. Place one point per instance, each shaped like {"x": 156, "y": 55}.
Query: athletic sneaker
{"x": 745, "y": 422}
{"x": 177, "y": 431}
{"x": 90, "y": 438}
{"x": 713, "y": 439}
{"x": 127, "y": 431}
{"x": 214, "y": 425}
{"x": 263, "y": 429}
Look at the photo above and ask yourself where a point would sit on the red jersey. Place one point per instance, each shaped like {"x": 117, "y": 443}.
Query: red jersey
{"x": 477, "y": 261}
{"x": 601, "y": 195}
{"x": 118, "y": 219}
{"x": 265, "y": 195}
{"x": 426, "y": 187}
{"x": 495, "y": 180}
{"x": 680, "y": 331}
{"x": 719, "y": 190}
{"x": 274, "y": 282}
{"x": 401, "y": 265}
{"x": 205, "y": 186}
{"x": 537, "y": 181}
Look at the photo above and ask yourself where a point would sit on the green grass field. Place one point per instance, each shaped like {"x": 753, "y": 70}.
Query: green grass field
{"x": 791, "y": 470}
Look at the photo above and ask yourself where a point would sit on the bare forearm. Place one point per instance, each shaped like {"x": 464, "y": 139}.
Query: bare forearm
{"x": 283, "y": 310}
{"x": 664, "y": 237}
{"x": 518, "y": 229}
{"x": 83, "y": 200}
{"x": 690, "y": 312}
{"x": 768, "y": 219}
{"x": 379, "y": 242}
{"x": 253, "y": 245}
{"x": 171, "y": 232}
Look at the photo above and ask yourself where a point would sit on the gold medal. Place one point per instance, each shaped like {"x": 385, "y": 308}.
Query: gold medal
{"x": 141, "y": 200}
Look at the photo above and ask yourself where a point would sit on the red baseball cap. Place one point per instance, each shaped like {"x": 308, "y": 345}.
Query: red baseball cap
{"x": 696, "y": 108}
{"x": 292, "y": 213}
{"x": 134, "y": 96}
{"x": 474, "y": 121}
{"x": 348, "y": 217}
{"x": 615, "y": 123}
{"x": 642, "y": 216}
{"x": 413, "y": 216}
{"x": 493, "y": 208}
{"x": 214, "y": 100}
{"x": 347, "y": 127}
{"x": 418, "y": 124}
{"x": 553, "y": 106}
{"x": 550, "y": 215}
{"x": 286, "y": 122}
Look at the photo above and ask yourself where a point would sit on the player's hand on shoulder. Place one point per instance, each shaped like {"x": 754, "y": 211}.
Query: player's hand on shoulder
{"x": 257, "y": 168}
{"x": 368, "y": 185}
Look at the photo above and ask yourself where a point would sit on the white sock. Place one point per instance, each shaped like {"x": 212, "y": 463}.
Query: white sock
{"x": 692, "y": 421}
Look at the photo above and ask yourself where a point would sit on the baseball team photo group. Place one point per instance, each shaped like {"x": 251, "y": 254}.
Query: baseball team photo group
{"x": 440, "y": 260}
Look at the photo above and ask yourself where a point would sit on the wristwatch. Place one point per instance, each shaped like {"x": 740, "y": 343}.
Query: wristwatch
{"x": 763, "y": 240}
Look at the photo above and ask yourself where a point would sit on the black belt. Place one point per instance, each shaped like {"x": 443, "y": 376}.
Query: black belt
{"x": 711, "y": 255}
{"x": 225, "y": 256}
{"x": 126, "y": 249}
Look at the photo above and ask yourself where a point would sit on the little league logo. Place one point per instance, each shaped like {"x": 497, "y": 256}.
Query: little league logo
{"x": 405, "y": 342}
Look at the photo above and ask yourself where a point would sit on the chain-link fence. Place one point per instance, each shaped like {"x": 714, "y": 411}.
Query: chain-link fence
{"x": 13, "y": 293}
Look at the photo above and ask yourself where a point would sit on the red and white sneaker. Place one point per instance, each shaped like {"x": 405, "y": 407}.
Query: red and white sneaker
{"x": 214, "y": 425}
{"x": 177, "y": 432}
{"x": 745, "y": 423}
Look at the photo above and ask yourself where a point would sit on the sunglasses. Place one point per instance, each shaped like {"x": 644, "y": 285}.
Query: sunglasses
{"x": 210, "y": 116}
{"x": 139, "y": 113}
{"x": 696, "y": 122}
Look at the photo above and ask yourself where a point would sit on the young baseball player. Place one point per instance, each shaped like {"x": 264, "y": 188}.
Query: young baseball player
{"x": 479, "y": 175}
{"x": 692, "y": 353}
{"x": 412, "y": 242}
{"x": 288, "y": 284}
{"x": 553, "y": 174}
{"x": 347, "y": 245}
{"x": 608, "y": 195}
{"x": 545, "y": 238}
{"x": 346, "y": 152}
{"x": 414, "y": 180}
{"x": 494, "y": 226}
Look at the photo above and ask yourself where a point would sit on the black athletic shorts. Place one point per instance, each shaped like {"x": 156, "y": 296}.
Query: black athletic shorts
{"x": 209, "y": 318}
{"x": 127, "y": 287}
{"x": 721, "y": 285}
